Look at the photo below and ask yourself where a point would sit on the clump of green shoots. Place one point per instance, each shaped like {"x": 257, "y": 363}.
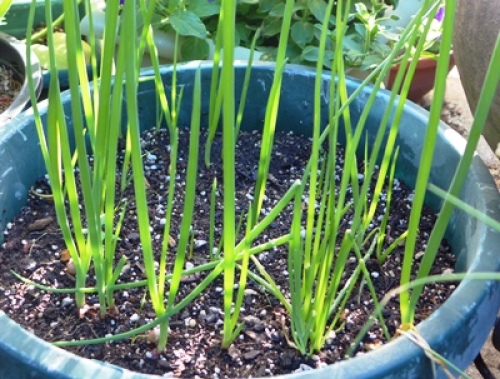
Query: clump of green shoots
{"x": 91, "y": 224}
{"x": 95, "y": 241}
{"x": 318, "y": 248}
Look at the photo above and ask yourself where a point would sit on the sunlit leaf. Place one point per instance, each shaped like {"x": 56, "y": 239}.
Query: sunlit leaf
{"x": 277, "y": 11}
{"x": 271, "y": 27}
{"x": 318, "y": 9}
{"x": 204, "y": 8}
{"x": 266, "y": 5}
{"x": 187, "y": 23}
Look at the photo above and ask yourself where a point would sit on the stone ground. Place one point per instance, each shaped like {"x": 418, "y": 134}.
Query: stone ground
{"x": 460, "y": 118}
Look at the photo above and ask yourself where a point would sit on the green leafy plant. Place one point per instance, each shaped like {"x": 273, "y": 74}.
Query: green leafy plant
{"x": 196, "y": 24}
{"x": 431, "y": 36}
{"x": 364, "y": 43}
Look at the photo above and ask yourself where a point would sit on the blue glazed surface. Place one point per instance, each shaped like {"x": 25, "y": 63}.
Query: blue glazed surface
{"x": 63, "y": 78}
{"x": 457, "y": 330}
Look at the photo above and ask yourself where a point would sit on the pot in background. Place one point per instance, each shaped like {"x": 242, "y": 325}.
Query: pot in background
{"x": 457, "y": 330}
{"x": 13, "y": 55}
{"x": 423, "y": 79}
{"x": 477, "y": 26}
{"x": 16, "y": 23}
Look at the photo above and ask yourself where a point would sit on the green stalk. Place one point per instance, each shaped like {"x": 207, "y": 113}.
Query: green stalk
{"x": 382, "y": 256}
{"x": 295, "y": 269}
{"x": 235, "y": 327}
{"x": 271, "y": 115}
{"x": 246, "y": 82}
{"x": 174, "y": 146}
{"x": 211, "y": 235}
{"x": 407, "y": 311}
{"x": 228, "y": 161}
{"x": 309, "y": 258}
{"x": 189, "y": 200}
{"x": 215, "y": 95}
{"x": 128, "y": 34}
{"x": 55, "y": 150}
{"x": 480, "y": 116}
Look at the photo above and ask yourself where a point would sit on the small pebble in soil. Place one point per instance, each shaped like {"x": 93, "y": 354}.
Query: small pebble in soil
{"x": 134, "y": 318}
{"x": 70, "y": 267}
{"x": 67, "y": 301}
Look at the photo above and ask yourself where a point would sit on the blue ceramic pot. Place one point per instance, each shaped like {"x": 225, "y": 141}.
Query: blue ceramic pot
{"x": 457, "y": 330}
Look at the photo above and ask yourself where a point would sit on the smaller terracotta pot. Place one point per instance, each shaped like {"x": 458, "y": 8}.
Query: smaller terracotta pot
{"x": 423, "y": 80}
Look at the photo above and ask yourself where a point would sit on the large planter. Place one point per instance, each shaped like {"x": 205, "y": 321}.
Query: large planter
{"x": 13, "y": 55}
{"x": 477, "y": 26}
{"x": 457, "y": 330}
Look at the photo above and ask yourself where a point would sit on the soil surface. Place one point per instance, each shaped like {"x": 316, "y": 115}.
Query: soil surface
{"x": 35, "y": 249}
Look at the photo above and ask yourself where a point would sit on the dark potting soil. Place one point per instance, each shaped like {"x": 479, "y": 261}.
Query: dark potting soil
{"x": 35, "y": 249}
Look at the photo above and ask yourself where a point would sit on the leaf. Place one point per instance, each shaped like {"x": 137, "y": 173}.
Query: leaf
{"x": 299, "y": 7}
{"x": 302, "y": 33}
{"x": 311, "y": 54}
{"x": 394, "y": 3}
{"x": 265, "y": 6}
{"x": 243, "y": 34}
{"x": 194, "y": 49}
{"x": 204, "y": 8}
{"x": 318, "y": 9}
{"x": 278, "y": 11}
{"x": 370, "y": 62}
{"x": 187, "y": 23}
{"x": 362, "y": 11}
{"x": 381, "y": 49}
{"x": 360, "y": 29}
{"x": 351, "y": 45}
{"x": 271, "y": 27}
